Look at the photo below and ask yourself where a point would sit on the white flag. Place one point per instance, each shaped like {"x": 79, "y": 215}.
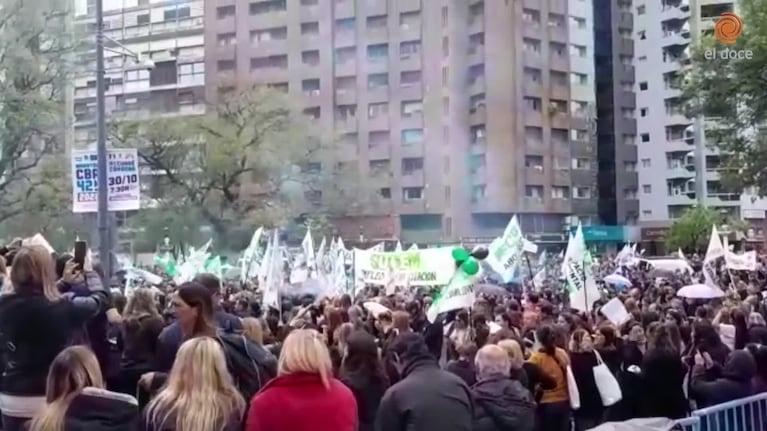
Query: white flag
{"x": 505, "y": 252}
{"x": 273, "y": 275}
{"x": 582, "y": 287}
{"x": 398, "y": 247}
{"x": 457, "y": 294}
{"x": 308, "y": 245}
{"x": 714, "y": 251}
{"x": 248, "y": 262}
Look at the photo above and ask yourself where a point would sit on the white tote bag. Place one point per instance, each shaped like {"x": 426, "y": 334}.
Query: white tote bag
{"x": 607, "y": 384}
{"x": 572, "y": 389}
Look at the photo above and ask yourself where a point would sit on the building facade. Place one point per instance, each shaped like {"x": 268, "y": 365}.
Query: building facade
{"x": 671, "y": 174}
{"x": 464, "y": 112}
{"x": 616, "y": 112}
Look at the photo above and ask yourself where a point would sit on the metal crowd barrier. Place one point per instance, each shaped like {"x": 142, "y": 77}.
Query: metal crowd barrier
{"x": 745, "y": 414}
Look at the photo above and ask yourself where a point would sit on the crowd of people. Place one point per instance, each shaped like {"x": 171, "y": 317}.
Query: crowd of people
{"x": 194, "y": 357}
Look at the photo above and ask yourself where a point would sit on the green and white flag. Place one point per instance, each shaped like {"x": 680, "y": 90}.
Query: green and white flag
{"x": 457, "y": 294}
{"x": 579, "y": 274}
{"x": 506, "y": 251}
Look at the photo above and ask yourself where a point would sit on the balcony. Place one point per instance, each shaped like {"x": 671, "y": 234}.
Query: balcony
{"x": 379, "y": 123}
{"x": 626, "y": 46}
{"x": 561, "y": 177}
{"x": 412, "y": 121}
{"x": 408, "y": 5}
{"x": 478, "y": 115}
{"x": 346, "y": 68}
{"x": 533, "y": 204}
{"x": 535, "y": 176}
{"x": 346, "y": 96}
{"x": 346, "y": 124}
{"x": 310, "y": 13}
{"x": 674, "y": 12}
{"x": 158, "y": 29}
{"x": 344, "y": 9}
{"x": 415, "y": 178}
{"x": 626, "y": 21}
{"x": 562, "y": 206}
{"x": 477, "y": 85}
{"x": 411, "y": 91}
{"x": 375, "y": 7}
{"x": 345, "y": 38}
{"x": 409, "y": 62}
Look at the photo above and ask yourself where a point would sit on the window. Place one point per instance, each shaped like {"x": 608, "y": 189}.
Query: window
{"x": 628, "y": 112}
{"x": 376, "y": 22}
{"x": 532, "y": 17}
{"x": 559, "y": 137}
{"x": 412, "y": 136}
{"x": 227, "y": 39}
{"x": 533, "y": 104}
{"x": 560, "y": 192}
{"x": 225, "y": 65}
{"x": 646, "y": 213}
{"x": 409, "y": 20}
{"x": 534, "y": 192}
{"x": 445, "y": 76}
{"x": 176, "y": 14}
{"x": 646, "y": 188}
{"x": 260, "y": 36}
{"x": 376, "y": 110}
{"x": 263, "y": 7}
{"x": 346, "y": 112}
{"x": 476, "y": 102}
{"x": 310, "y": 28}
{"x": 477, "y": 162}
{"x": 558, "y": 78}
{"x": 311, "y": 87}
{"x": 221, "y": 12}
{"x": 642, "y": 112}
{"x": 581, "y": 163}
{"x": 476, "y": 43}
{"x": 312, "y": 113}
{"x": 477, "y": 134}
{"x": 378, "y": 80}
{"x": 535, "y": 162}
{"x": 630, "y": 166}
{"x": 582, "y": 192}
{"x": 408, "y": 49}
{"x": 640, "y": 9}
{"x": 532, "y": 76}
{"x": 643, "y": 86}
{"x": 477, "y": 193}
{"x": 411, "y": 107}
{"x": 282, "y": 87}
{"x": 444, "y": 16}
{"x": 346, "y": 84}
{"x": 445, "y": 46}
{"x": 646, "y": 163}
{"x": 579, "y": 135}
{"x": 406, "y": 79}
{"x": 578, "y": 50}
{"x": 385, "y": 193}
{"x": 378, "y": 138}
{"x": 379, "y": 52}
{"x": 645, "y": 137}
{"x": 557, "y": 49}
{"x": 630, "y": 139}
{"x": 309, "y": 2}
{"x": 579, "y": 78}
{"x": 533, "y": 136}
{"x": 412, "y": 193}
{"x": 380, "y": 166}
{"x": 445, "y": 105}
{"x": 272, "y": 61}
{"x": 345, "y": 55}
{"x": 145, "y": 19}
{"x": 411, "y": 165}
{"x": 310, "y": 58}
{"x": 191, "y": 73}
{"x": 577, "y": 22}
{"x": 556, "y": 20}
{"x": 345, "y": 25}
{"x": 561, "y": 163}
{"x": 531, "y": 45}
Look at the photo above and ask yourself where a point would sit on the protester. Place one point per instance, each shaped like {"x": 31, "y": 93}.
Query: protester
{"x": 502, "y": 404}
{"x": 304, "y": 396}
{"x": 427, "y": 397}
{"x": 712, "y": 384}
{"x": 139, "y": 331}
{"x": 463, "y": 367}
{"x": 76, "y": 399}
{"x": 663, "y": 374}
{"x": 36, "y": 323}
{"x": 583, "y": 359}
{"x": 253, "y": 330}
{"x": 199, "y": 393}
{"x": 553, "y": 412}
{"x": 363, "y": 372}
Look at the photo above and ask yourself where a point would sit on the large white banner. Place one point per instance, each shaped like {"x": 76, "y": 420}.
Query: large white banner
{"x": 124, "y": 192}
{"x": 428, "y": 267}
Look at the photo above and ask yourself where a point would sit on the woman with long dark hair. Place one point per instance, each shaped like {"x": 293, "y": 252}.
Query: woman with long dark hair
{"x": 705, "y": 339}
{"x": 583, "y": 359}
{"x": 663, "y": 374}
{"x": 363, "y": 372}
{"x": 554, "y": 409}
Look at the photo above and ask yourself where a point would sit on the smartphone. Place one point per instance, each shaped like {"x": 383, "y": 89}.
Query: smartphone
{"x": 81, "y": 248}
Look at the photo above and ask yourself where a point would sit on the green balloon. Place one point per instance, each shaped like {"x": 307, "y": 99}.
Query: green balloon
{"x": 460, "y": 254}
{"x": 470, "y": 267}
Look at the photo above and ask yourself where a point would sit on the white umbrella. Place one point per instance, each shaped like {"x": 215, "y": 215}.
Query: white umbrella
{"x": 700, "y": 291}
{"x": 375, "y": 308}
{"x": 617, "y": 279}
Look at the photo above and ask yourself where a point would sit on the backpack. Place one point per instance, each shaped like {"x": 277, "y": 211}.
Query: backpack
{"x": 250, "y": 365}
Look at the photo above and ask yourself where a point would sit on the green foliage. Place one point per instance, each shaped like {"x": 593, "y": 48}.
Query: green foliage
{"x": 243, "y": 164}
{"x": 691, "y": 231}
{"x": 730, "y": 93}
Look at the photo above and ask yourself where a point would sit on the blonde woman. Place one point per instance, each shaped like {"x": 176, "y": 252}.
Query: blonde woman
{"x": 304, "y": 396}
{"x": 141, "y": 326}
{"x": 528, "y": 374}
{"x": 36, "y": 323}
{"x": 75, "y": 398}
{"x": 253, "y": 330}
{"x": 199, "y": 393}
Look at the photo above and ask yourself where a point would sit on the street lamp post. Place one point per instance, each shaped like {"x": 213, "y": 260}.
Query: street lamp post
{"x": 105, "y": 240}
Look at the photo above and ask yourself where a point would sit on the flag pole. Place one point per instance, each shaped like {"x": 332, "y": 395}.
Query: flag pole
{"x": 530, "y": 268}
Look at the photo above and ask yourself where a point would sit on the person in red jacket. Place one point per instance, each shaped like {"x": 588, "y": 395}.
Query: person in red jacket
{"x": 304, "y": 396}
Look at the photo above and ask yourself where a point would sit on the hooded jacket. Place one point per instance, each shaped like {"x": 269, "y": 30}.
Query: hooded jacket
{"x": 101, "y": 410}
{"x": 502, "y": 404}
{"x": 717, "y": 385}
{"x": 427, "y": 398}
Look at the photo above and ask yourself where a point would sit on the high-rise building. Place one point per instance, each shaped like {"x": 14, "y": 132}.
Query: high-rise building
{"x": 616, "y": 111}
{"x": 672, "y": 178}
{"x": 474, "y": 110}
{"x": 170, "y": 34}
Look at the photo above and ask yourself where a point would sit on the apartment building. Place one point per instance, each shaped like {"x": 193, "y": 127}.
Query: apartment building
{"x": 169, "y": 33}
{"x": 670, "y": 175}
{"x": 616, "y": 112}
{"x": 464, "y": 113}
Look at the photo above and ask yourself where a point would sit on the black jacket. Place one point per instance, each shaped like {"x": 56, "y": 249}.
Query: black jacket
{"x": 463, "y": 369}
{"x": 427, "y": 398}
{"x": 139, "y": 340}
{"x": 662, "y": 378}
{"x": 33, "y": 330}
{"x": 100, "y": 410}
{"x": 171, "y": 338}
{"x": 718, "y": 385}
{"x": 583, "y": 365}
{"x": 502, "y": 404}
{"x": 368, "y": 392}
